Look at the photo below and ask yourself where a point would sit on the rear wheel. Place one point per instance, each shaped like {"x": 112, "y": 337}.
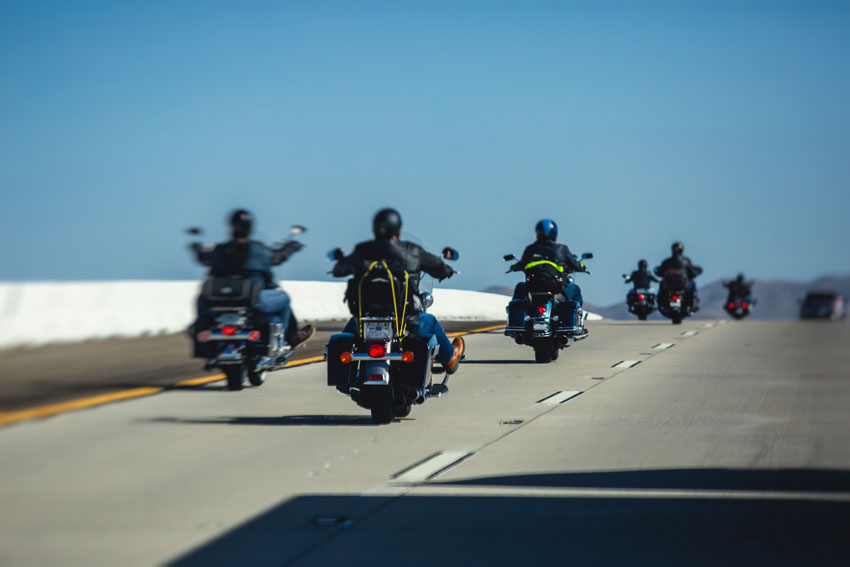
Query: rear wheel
{"x": 235, "y": 376}
{"x": 677, "y": 319}
{"x": 543, "y": 353}
{"x": 402, "y": 411}
{"x": 641, "y": 317}
{"x": 381, "y": 404}
{"x": 555, "y": 352}
{"x": 256, "y": 378}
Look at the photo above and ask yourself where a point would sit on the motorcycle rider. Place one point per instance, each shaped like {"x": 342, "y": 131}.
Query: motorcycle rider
{"x": 739, "y": 287}
{"x": 252, "y": 259}
{"x": 681, "y": 263}
{"x": 546, "y": 247}
{"x": 403, "y": 256}
{"x": 641, "y": 277}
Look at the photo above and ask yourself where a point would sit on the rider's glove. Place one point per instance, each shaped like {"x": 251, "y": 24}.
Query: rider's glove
{"x": 291, "y": 247}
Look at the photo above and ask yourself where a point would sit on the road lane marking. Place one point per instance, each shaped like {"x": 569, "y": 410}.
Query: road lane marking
{"x": 626, "y": 364}
{"x": 430, "y": 467}
{"x": 708, "y": 325}
{"x": 437, "y": 488}
{"x": 8, "y": 418}
{"x": 690, "y": 333}
{"x": 559, "y": 397}
{"x": 482, "y": 330}
{"x": 663, "y": 346}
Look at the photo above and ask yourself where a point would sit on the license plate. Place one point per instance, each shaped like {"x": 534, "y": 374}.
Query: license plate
{"x": 377, "y": 331}
{"x": 675, "y": 304}
{"x": 540, "y": 326}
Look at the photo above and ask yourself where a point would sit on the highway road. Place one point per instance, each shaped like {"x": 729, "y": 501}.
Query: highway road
{"x": 647, "y": 443}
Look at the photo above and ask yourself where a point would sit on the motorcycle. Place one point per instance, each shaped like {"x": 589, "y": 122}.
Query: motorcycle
{"x": 641, "y": 302}
{"x": 739, "y": 306}
{"x": 237, "y": 340}
{"x": 671, "y": 301}
{"x": 384, "y": 368}
{"x": 541, "y": 316}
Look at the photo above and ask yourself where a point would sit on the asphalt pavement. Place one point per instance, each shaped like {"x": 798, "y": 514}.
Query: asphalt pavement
{"x": 647, "y": 443}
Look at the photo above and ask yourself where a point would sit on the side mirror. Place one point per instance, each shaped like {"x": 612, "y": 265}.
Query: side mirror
{"x": 195, "y": 231}
{"x": 587, "y": 256}
{"x": 508, "y": 257}
{"x": 427, "y": 299}
{"x": 450, "y": 253}
{"x": 297, "y": 229}
{"x": 335, "y": 255}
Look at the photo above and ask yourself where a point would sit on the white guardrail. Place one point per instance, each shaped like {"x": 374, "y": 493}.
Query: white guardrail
{"x": 37, "y": 313}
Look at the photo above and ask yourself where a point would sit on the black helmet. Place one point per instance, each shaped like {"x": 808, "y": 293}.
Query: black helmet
{"x": 546, "y": 229}
{"x": 678, "y": 247}
{"x": 740, "y": 277}
{"x": 642, "y": 264}
{"x": 387, "y": 224}
{"x": 241, "y": 223}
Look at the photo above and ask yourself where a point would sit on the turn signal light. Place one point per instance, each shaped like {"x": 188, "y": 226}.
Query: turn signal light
{"x": 228, "y": 330}
{"x": 204, "y": 336}
{"x": 254, "y": 336}
{"x": 346, "y": 358}
{"x": 407, "y": 356}
{"x": 377, "y": 350}
{"x": 731, "y": 305}
{"x": 745, "y": 305}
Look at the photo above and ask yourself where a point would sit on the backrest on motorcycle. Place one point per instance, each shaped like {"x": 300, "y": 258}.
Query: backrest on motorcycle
{"x": 543, "y": 278}
{"x": 222, "y": 292}
{"x": 675, "y": 280}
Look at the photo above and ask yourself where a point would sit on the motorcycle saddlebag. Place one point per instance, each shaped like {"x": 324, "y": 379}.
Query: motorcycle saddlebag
{"x": 338, "y": 373}
{"x": 231, "y": 291}
{"x": 416, "y": 374}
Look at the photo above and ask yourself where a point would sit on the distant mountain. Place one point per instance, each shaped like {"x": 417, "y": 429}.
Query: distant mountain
{"x": 775, "y": 300}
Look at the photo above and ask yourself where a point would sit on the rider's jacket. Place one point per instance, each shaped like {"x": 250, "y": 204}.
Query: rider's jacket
{"x": 400, "y": 256}
{"x": 249, "y": 258}
{"x": 680, "y": 263}
{"x": 641, "y": 278}
{"x": 551, "y": 251}
{"x": 738, "y": 289}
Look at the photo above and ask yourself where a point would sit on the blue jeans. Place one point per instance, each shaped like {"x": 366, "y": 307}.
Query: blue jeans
{"x": 428, "y": 328}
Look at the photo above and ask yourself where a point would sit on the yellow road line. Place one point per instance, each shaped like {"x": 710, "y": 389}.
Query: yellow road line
{"x": 52, "y": 409}
{"x": 7, "y": 418}
{"x": 482, "y": 330}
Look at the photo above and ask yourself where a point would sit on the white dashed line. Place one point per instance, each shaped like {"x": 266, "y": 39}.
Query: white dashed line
{"x": 626, "y": 364}
{"x": 431, "y": 467}
{"x": 559, "y": 397}
{"x": 663, "y": 346}
{"x": 689, "y": 333}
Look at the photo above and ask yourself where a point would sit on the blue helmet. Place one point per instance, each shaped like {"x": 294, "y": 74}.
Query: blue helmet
{"x": 546, "y": 229}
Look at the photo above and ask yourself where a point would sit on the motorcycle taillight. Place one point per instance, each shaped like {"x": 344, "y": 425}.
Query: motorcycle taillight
{"x": 541, "y": 309}
{"x": 640, "y": 297}
{"x": 228, "y": 330}
{"x": 377, "y": 350}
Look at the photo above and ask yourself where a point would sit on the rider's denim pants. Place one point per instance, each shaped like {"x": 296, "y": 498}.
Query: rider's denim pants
{"x": 428, "y": 328}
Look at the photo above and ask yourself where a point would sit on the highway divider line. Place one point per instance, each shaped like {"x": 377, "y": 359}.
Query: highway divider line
{"x": 431, "y": 467}
{"x": 663, "y": 346}
{"x": 626, "y": 364}
{"x": 8, "y": 418}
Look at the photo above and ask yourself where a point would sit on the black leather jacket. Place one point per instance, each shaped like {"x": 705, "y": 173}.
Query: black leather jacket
{"x": 739, "y": 289}
{"x": 249, "y": 258}
{"x": 641, "y": 278}
{"x": 400, "y": 256}
{"x": 680, "y": 263}
{"x": 552, "y": 251}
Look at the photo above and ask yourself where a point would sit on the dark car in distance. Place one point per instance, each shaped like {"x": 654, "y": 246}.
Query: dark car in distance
{"x": 823, "y": 305}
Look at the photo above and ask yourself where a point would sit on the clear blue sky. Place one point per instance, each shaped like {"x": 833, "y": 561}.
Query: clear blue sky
{"x": 632, "y": 124}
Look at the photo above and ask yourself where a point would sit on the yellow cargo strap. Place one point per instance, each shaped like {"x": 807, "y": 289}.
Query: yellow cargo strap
{"x": 541, "y": 262}
{"x": 399, "y": 323}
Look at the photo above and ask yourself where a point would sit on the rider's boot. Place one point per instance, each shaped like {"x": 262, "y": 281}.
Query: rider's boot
{"x": 454, "y": 361}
